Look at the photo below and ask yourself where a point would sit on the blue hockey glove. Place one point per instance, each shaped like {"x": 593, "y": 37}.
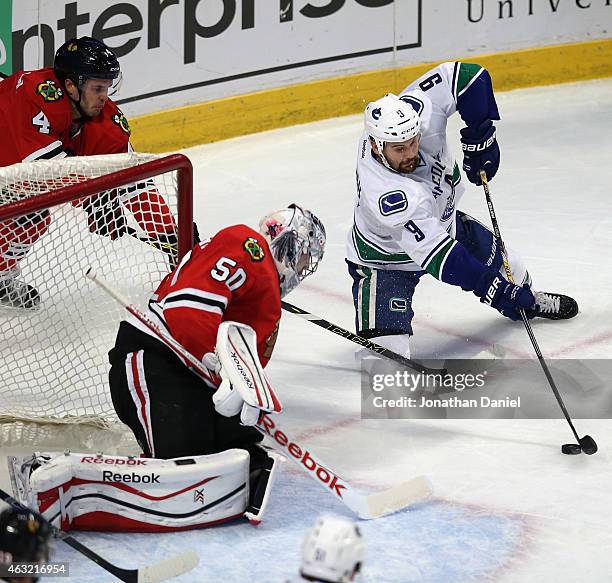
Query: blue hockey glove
{"x": 480, "y": 151}
{"x": 505, "y": 297}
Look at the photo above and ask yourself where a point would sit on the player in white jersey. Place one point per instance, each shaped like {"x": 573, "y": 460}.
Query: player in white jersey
{"x": 406, "y": 222}
{"x": 332, "y": 551}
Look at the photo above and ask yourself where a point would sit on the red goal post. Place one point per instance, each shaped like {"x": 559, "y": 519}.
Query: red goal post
{"x": 54, "y": 361}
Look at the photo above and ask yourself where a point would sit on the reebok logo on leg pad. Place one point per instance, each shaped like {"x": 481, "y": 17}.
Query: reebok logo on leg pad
{"x": 133, "y": 478}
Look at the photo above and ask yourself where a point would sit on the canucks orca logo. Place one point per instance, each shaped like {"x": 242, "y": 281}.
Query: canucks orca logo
{"x": 254, "y": 249}
{"x": 452, "y": 181}
{"x": 416, "y": 103}
{"x": 450, "y": 207}
{"x": 49, "y": 91}
{"x": 392, "y": 202}
{"x": 376, "y": 113}
{"x": 122, "y": 122}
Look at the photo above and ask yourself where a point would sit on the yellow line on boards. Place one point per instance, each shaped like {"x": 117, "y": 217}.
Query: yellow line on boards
{"x": 229, "y": 117}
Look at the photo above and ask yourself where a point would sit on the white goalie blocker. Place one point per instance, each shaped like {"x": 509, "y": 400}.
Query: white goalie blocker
{"x": 244, "y": 388}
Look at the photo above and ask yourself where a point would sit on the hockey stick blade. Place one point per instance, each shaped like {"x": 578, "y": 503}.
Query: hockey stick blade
{"x": 394, "y": 499}
{"x": 168, "y": 568}
{"x": 364, "y": 342}
{"x": 366, "y": 506}
{"x": 161, "y": 571}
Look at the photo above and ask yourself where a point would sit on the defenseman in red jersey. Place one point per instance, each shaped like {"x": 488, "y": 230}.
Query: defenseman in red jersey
{"x": 66, "y": 111}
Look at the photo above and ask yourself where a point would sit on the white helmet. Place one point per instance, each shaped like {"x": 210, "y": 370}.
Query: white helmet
{"x": 390, "y": 119}
{"x": 333, "y": 550}
{"x": 297, "y": 241}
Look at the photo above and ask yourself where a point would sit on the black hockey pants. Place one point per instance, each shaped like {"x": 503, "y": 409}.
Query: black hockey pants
{"x": 169, "y": 409}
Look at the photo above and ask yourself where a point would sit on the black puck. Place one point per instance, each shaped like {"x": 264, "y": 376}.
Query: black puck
{"x": 571, "y": 449}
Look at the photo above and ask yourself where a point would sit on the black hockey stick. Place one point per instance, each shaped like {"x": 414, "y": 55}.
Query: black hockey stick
{"x": 377, "y": 348}
{"x": 170, "y": 249}
{"x": 161, "y": 571}
{"x": 587, "y": 443}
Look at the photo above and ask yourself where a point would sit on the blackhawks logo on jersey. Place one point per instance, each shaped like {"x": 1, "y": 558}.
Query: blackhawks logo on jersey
{"x": 49, "y": 91}
{"x": 254, "y": 249}
{"x": 122, "y": 122}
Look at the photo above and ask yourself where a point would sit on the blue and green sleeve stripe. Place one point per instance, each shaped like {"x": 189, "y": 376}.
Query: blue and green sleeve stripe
{"x": 451, "y": 263}
{"x": 473, "y": 92}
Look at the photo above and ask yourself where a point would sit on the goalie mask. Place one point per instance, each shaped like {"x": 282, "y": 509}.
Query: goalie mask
{"x": 333, "y": 550}
{"x": 297, "y": 241}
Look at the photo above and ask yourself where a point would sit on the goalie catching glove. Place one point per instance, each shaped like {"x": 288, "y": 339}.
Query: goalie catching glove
{"x": 244, "y": 387}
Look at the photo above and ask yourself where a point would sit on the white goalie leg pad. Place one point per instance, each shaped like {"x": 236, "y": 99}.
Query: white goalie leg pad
{"x": 260, "y": 494}
{"x": 128, "y": 494}
{"x": 245, "y": 389}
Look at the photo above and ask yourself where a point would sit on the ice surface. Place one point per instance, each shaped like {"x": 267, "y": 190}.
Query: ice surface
{"x": 508, "y": 505}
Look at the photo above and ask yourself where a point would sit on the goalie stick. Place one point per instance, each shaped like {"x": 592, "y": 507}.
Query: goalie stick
{"x": 377, "y": 348}
{"x": 166, "y": 569}
{"x": 367, "y": 506}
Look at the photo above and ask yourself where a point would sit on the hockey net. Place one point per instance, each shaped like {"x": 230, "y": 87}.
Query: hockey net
{"x": 54, "y": 363}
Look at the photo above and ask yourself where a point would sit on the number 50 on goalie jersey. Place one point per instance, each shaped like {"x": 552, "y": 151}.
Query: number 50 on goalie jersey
{"x": 229, "y": 277}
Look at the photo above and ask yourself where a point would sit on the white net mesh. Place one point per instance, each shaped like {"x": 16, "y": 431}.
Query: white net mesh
{"x": 54, "y": 355}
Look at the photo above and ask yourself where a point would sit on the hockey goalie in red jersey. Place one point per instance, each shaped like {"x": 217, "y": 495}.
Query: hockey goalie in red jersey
{"x": 203, "y": 463}
{"x": 239, "y": 275}
{"x": 63, "y": 111}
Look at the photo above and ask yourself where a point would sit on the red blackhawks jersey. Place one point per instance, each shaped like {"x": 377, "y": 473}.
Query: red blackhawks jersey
{"x": 229, "y": 277}
{"x": 36, "y": 121}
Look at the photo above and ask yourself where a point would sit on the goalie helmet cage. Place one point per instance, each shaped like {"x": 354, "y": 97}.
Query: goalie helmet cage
{"x": 54, "y": 365}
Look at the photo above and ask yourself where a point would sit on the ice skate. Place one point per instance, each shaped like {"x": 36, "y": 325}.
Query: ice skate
{"x": 555, "y": 306}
